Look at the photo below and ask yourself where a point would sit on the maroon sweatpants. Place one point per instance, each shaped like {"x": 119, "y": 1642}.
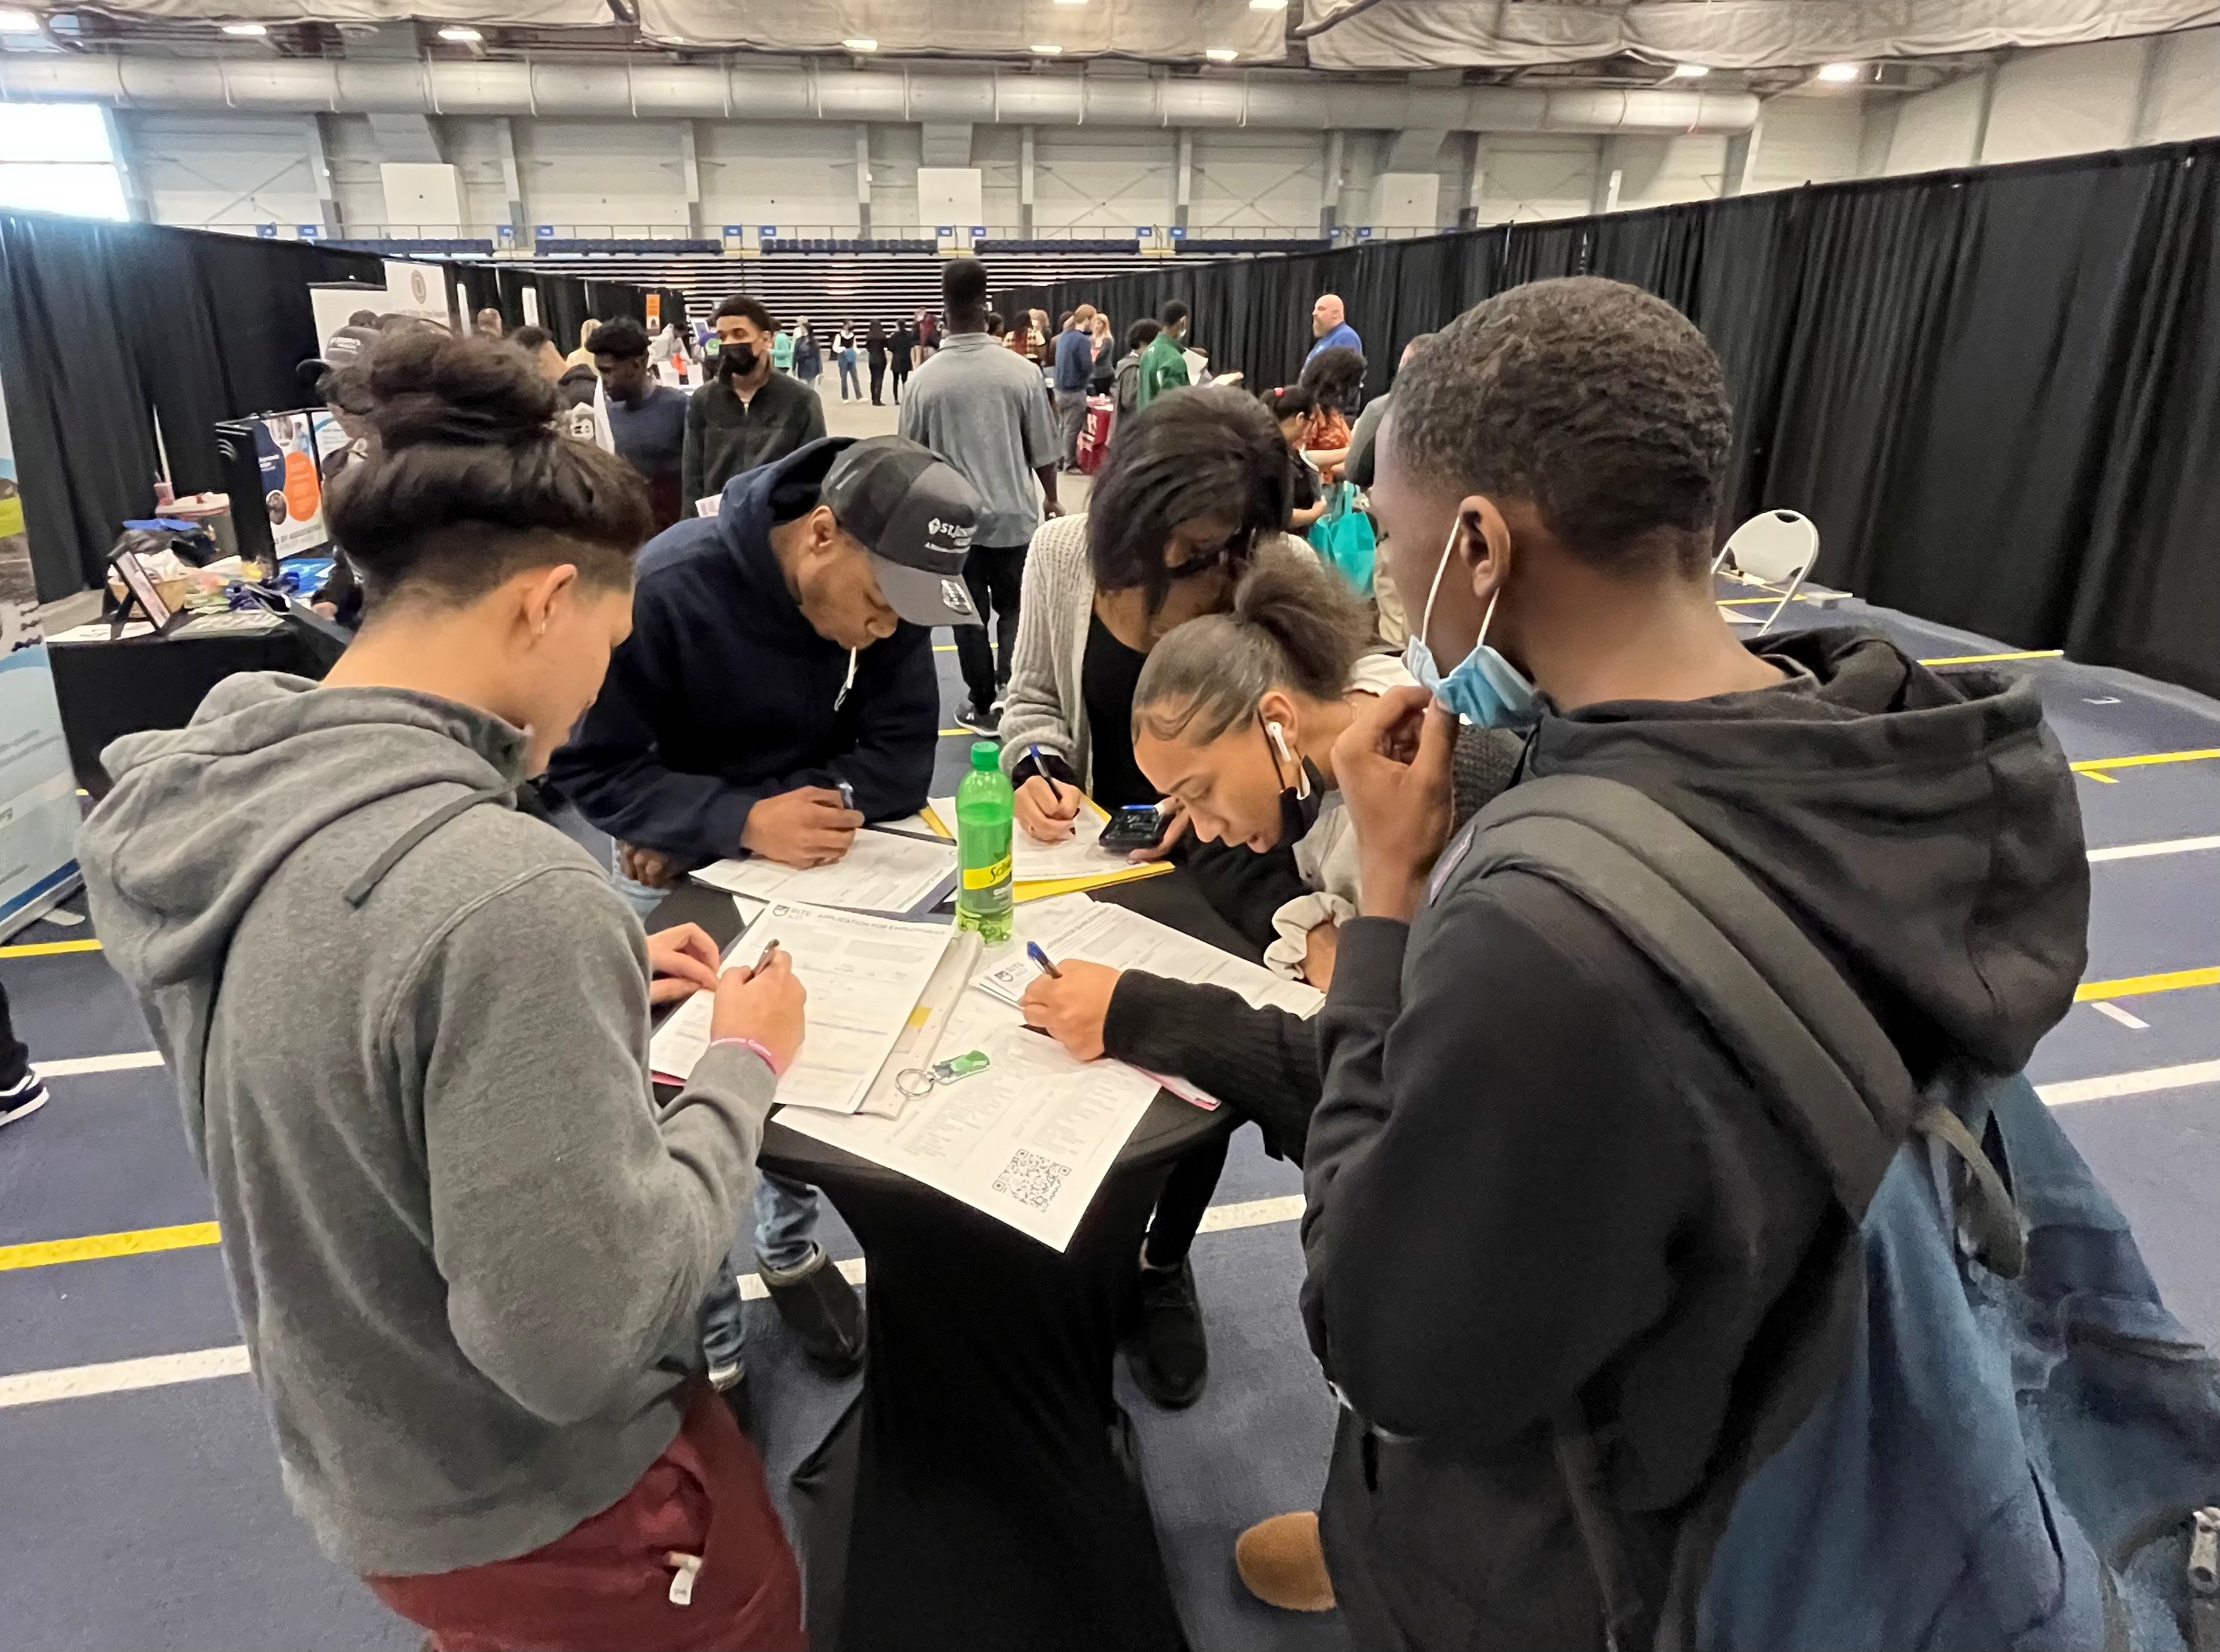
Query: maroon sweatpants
{"x": 606, "y": 1585}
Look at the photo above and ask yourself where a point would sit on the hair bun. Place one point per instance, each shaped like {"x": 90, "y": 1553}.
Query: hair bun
{"x": 429, "y": 388}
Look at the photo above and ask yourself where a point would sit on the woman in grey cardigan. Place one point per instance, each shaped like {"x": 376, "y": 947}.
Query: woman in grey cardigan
{"x": 1194, "y": 484}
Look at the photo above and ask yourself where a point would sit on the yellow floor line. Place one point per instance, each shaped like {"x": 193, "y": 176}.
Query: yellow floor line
{"x": 46, "y": 1253}
{"x": 48, "y": 949}
{"x": 2095, "y": 767}
{"x": 1990, "y": 659}
{"x": 2133, "y": 985}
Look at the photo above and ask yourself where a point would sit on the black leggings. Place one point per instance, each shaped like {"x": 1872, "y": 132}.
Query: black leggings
{"x": 1179, "y": 1207}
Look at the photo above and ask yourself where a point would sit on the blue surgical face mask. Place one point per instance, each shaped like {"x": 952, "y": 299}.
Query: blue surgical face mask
{"x": 1485, "y": 688}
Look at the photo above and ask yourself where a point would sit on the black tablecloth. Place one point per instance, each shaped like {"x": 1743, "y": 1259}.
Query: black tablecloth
{"x": 985, "y": 1478}
{"x": 107, "y": 688}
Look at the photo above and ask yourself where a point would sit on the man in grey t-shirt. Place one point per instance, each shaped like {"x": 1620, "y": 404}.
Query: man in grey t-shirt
{"x": 982, "y": 408}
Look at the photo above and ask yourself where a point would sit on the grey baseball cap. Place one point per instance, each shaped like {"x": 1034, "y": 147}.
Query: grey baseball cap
{"x": 915, "y": 514}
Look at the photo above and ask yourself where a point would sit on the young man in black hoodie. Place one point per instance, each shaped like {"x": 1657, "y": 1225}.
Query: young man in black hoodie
{"x": 1538, "y": 1188}
{"x": 780, "y": 656}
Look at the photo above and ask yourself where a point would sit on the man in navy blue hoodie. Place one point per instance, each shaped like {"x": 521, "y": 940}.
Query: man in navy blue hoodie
{"x": 780, "y": 651}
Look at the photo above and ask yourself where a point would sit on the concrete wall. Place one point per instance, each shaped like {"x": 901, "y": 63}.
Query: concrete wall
{"x": 616, "y": 176}
{"x": 2110, "y": 94}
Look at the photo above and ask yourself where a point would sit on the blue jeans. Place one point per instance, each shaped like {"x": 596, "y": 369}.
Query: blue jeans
{"x": 850, "y": 383}
{"x": 786, "y": 1235}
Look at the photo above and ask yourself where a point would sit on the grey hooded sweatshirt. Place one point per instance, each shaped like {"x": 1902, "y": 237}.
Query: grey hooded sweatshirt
{"x": 466, "y": 1250}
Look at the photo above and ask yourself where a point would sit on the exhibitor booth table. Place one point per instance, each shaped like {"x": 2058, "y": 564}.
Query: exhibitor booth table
{"x": 986, "y": 1479}
{"x": 111, "y": 687}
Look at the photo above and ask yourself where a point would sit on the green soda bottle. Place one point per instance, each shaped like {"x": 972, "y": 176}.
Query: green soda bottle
{"x": 982, "y": 846}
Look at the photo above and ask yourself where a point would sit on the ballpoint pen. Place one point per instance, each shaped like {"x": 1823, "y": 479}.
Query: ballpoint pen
{"x": 1048, "y": 965}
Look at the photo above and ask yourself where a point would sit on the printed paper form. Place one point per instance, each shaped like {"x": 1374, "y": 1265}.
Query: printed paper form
{"x": 1081, "y": 855}
{"x": 1028, "y": 1141}
{"x": 1074, "y": 928}
{"x": 864, "y": 976}
{"x": 880, "y": 872}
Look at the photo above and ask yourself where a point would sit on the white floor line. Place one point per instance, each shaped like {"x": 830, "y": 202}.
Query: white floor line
{"x": 72, "y": 1066}
{"x": 2165, "y": 846}
{"x": 2114, "y": 1085}
{"x": 164, "y": 1370}
{"x": 120, "y": 1376}
{"x": 2112, "y": 1012}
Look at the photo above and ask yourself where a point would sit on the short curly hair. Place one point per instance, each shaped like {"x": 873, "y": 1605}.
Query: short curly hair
{"x": 1600, "y": 403}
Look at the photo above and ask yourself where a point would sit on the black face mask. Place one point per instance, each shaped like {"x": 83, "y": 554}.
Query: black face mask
{"x": 736, "y": 360}
{"x": 1300, "y": 803}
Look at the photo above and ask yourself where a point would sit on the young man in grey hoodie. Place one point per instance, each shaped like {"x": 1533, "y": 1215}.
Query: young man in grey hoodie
{"x": 466, "y": 1248}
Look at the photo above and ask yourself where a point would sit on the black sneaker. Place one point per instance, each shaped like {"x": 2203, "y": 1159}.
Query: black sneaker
{"x": 978, "y": 721}
{"x": 1165, "y": 1349}
{"x": 821, "y": 1307}
{"x": 23, "y": 1098}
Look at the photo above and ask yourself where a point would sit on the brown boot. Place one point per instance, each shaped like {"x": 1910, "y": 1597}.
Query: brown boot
{"x": 1281, "y": 1562}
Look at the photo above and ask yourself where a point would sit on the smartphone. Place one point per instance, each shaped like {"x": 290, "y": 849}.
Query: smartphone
{"x": 1136, "y": 827}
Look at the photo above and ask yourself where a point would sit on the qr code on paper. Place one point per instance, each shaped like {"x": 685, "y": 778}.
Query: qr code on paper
{"x": 1031, "y": 1180}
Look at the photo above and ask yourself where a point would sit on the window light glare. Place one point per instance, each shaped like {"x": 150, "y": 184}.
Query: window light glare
{"x": 15, "y": 21}
{"x": 1839, "y": 72}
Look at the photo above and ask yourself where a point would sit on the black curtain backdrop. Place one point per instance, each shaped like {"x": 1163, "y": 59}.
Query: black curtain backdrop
{"x": 104, "y": 326}
{"x": 1995, "y": 391}
{"x": 105, "y": 329}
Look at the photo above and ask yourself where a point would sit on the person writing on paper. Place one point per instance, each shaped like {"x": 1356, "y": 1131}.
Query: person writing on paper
{"x": 1194, "y": 489}
{"x": 1235, "y": 717}
{"x": 780, "y": 651}
{"x": 468, "y": 1294}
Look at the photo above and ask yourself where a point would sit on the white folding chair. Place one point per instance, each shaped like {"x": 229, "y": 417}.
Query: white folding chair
{"x": 1774, "y": 549}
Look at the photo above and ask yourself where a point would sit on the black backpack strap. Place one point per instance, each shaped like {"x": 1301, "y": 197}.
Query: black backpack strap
{"x": 1811, "y": 1049}
{"x": 358, "y": 891}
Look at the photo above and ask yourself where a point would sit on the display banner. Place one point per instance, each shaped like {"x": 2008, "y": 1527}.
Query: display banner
{"x": 38, "y": 791}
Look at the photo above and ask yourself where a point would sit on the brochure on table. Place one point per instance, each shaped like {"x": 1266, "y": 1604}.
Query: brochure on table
{"x": 883, "y": 871}
{"x": 1072, "y": 926}
{"x": 1028, "y": 1140}
{"x": 864, "y": 977}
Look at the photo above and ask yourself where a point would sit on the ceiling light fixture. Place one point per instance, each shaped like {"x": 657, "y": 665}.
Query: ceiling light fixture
{"x": 1044, "y": 51}
{"x": 858, "y": 43}
{"x": 461, "y": 34}
{"x": 1691, "y": 70}
{"x": 1070, "y": 2}
{"x": 1268, "y": 5}
{"x": 13, "y": 21}
{"x": 245, "y": 31}
{"x": 1839, "y": 73}
{"x": 1221, "y": 54}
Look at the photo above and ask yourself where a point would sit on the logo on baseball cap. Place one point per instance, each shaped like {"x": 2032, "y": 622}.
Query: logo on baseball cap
{"x": 915, "y": 515}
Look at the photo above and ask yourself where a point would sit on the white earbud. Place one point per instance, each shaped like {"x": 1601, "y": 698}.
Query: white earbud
{"x": 1279, "y": 739}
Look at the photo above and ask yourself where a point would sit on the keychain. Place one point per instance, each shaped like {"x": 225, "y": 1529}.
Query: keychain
{"x": 916, "y": 1081}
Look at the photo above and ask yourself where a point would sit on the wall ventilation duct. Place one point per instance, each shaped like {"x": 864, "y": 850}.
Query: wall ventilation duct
{"x": 650, "y": 90}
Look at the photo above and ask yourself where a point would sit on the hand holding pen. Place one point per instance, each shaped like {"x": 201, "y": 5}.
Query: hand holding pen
{"x": 1046, "y": 810}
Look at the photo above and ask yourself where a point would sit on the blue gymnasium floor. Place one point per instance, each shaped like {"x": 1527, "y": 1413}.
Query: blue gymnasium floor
{"x": 141, "y": 1505}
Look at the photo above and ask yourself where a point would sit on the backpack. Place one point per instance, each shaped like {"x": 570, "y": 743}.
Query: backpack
{"x": 1343, "y": 538}
{"x": 1977, "y": 1426}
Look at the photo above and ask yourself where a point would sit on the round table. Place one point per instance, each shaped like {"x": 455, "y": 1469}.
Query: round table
{"x": 986, "y": 1483}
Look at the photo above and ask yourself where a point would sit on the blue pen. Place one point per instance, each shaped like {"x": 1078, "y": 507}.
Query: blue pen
{"x": 1040, "y": 766}
{"x": 1033, "y": 951}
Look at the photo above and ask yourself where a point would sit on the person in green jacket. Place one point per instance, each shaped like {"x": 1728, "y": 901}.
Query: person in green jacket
{"x": 781, "y": 352}
{"x": 1163, "y": 363}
